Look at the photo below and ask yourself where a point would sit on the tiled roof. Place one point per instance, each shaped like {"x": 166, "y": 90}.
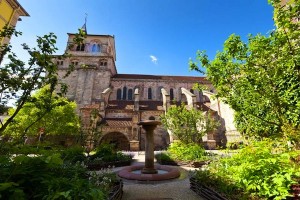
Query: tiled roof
{"x": 120, "y": 105}
{"x": 199, "y": 105}
{"x": 148, "y": 105}
{"x": 159, "y": 77}
{"x": 151, "y": 105}
{"x": 128, "y": 105}
{"x": 93, "y": 35}
{"x": 202, "y": 106}
{"x": 118, "y": 122}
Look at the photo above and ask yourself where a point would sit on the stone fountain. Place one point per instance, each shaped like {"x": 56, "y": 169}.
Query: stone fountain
{"x": 149, "y": 172}
{"x": 149, "y": 127}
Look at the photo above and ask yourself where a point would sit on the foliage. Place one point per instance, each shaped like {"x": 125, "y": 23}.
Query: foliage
{"x": 92, "y": 133}
{"x": 187, "y": 152}
{"x": 104, "y": 178}
{"x": 260, "y": 78}
{"x": 221, "y": 184}
{"x": 19, "y": 79}
{"x": 73, "y": 154}
{"x": 10, "y": 148}
{"x": 164, "y": 158}
{"x": 108, "y": 153}
{"x": 46, "y": 177}
{"x": 263, "y": 169}
{"x": 55, "y": 114}
{"x": 188, "y": 125}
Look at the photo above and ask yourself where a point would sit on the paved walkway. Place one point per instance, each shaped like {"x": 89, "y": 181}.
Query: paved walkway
{"x": 177, "y": 189}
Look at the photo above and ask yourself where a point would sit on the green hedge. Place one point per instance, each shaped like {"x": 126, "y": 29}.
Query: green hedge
{"x": 264, "y": 169}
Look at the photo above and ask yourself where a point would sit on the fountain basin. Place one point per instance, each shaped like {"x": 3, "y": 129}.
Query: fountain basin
{"x": 165, "y": 173}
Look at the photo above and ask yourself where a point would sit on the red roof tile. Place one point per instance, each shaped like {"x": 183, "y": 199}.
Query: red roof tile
{"x": 120, "y": 105}
{"x": 118, "y": 122}
{"x": 151, "y": 105}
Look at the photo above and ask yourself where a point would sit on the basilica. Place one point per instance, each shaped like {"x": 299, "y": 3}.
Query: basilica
{"x": 112, "y": 104}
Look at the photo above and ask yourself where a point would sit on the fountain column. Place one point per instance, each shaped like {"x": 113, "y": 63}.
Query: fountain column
{"x": 149, "y": 126}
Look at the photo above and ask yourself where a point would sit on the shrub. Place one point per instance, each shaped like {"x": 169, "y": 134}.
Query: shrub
{"x": 106, "y": 153}
{"x": 73, "y": 154}
{"x": 164, "y": 159}
{"x": 187, "y": 152}
{"x": 263, "y": 169}
{"x": 223, "y": 185}
{"x": 46, "y": 177}
{"x": 9, "y": 148}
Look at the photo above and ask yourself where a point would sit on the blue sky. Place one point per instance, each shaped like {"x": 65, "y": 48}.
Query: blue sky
{"x": 152, "y": 36}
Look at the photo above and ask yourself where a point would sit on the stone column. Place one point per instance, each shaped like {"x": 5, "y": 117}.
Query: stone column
{"x": 149, "y": 126}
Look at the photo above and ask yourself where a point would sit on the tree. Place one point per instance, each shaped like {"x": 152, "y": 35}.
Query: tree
{"x": 189, "y": 126}
{"x": 260, "y": 78}
{"x": 19, "y": 79}
{"x": 54, "y": 114}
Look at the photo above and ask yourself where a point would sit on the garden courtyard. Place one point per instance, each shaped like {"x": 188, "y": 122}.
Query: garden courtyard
{"x": 178, "y": 188}
{"x": 49, "y": 150}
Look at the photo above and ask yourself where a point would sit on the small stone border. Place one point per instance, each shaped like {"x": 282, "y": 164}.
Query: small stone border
{"x": 127, "y": 173}
{"x": 117, "y": 191}
{"x": 204, "y": 191}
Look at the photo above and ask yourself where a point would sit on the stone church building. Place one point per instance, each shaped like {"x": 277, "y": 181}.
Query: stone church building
{"x": 120, "y": 101}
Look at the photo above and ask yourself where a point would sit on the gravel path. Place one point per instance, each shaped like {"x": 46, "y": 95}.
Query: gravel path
{"x": 177, "y": 189}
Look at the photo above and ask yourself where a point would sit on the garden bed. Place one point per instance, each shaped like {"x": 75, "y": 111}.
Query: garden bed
{"x": 117, "y": 191}
{"x": 100, "y": 165}
{"x": 164, "y": 160}
{"x": 204, "y": 191}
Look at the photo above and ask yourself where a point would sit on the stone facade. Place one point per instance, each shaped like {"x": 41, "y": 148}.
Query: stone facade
{"x": 120, "y": 101}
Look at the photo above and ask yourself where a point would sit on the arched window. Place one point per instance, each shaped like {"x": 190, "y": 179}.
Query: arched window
{"x": 96, "y": 48}
{"x": 60, "y": 62}
{"x": 129, "y": 94}
{"x": 119, "y": 94}
{"x": 124, "y": 93}
{"x": 192, "y": 91}
{"x": 171, "y": 94}
{"x": 159, "y": 94}
{"x": 80, "y": 47}
{"x": 74, "y": 62}
{"x": 149, "y": 93}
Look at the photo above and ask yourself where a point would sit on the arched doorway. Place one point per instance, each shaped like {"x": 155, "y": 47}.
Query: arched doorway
{"x": 118, "y": 139}
{"x": 161, "y": 139}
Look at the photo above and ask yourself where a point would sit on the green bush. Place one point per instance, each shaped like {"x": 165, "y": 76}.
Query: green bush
{"x": 73, "y": 154}
{"x": 165, "y": 159}
{"x": 263, "y": 169}
{"x": 187, "y": 152}
{"x": 46, "y": 177}
{"x": 12, "y": 148}
{"x": 222, "y": 184}
{"x": 107, "y": 153}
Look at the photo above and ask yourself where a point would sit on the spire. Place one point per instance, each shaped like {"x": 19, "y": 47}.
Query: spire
{"x": 83, "y": 28}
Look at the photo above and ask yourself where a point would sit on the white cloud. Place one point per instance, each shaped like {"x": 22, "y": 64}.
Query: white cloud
{"x": 153, "y": 59}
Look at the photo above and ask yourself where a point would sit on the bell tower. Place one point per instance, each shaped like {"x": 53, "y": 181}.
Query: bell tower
{"x": 94, "y": 65}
